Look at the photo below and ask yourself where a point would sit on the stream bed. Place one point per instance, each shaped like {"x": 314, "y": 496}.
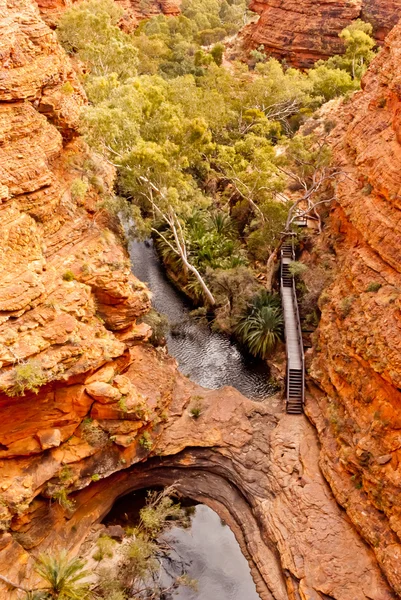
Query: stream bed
{"x": 208, "y": 547}
{"x": 208, "y": 358}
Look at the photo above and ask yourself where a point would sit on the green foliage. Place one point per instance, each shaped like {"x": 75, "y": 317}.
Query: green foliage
{"x": 146, "y": 441}
{"x": 159, "y": 324}
{"x": 297, "y": 268}
{"x": 195, "y": 412}
{"x": 63, "y": 576}
{"x": 373, "y": 287}
{"x": 105, "y": 548}
{"x": 346, "y": 305}
{"x": 158, "y": 510}
{"x": 65, "y": 474}
{"x": 261, "y": 325}
{"x": 90, "y": 30}
{"x": 27, "y": 376}
{"x": 341, "y": 74}
{"x": 195, "y": 143}
{"x": 68, "y": 276}
{"x": 95, "y": 477}
{"x": 67, "y": 88}
{"x": 61, "y": 496}
{"x": 78, "y": 189}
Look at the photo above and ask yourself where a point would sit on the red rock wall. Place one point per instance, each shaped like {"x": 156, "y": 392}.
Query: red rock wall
{"x": 134, "y": 10}
{"x": 303, "y": 32}
{"x": 357, "y": 352}
{"x": 69, "y": 303}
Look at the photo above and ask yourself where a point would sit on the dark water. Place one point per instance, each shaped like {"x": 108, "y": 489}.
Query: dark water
{"x": 208, "y": 548}
{"x": 214, "y": 559}
{"x": 210, "y": 359}
{"x": 207, "y": 551}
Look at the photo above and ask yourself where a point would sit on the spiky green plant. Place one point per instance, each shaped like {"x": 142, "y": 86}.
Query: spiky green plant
{"x": 264, "y": 298}
{"x": 260, "y": 329}
{"x": 63, "y": 576}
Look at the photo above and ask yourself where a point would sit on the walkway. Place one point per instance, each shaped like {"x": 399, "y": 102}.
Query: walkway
{"x": 293, "y": 334}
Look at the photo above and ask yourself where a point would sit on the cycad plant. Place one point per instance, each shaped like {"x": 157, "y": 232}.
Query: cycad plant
{"x": 63, "y": 576}
{"x": 260, "y": 326}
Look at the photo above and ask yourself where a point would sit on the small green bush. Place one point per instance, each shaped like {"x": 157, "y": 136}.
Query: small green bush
{"x": 61, "y": 495}
{"x": 296, "y": 268}
{"x": 195, "y": 412}
{"x": 68, "y": 276}
{"x": 27, "y": 376}
{"x": 346, "y": 305}
{"x": 95, "y": 477}
{"x": 67, "y": 88}
{"x": 78, "y": 189}
{"x": 146, "y": 441}
{"x": 105, "y": 548}
{"x": 65, "y": 474}
{"x": 373, "y": 287}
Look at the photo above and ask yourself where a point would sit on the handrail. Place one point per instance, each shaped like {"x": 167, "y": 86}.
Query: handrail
{"x": 296, "y": 316}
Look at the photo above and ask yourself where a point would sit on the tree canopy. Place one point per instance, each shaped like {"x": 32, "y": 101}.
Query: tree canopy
{"x": 197, "y": 141}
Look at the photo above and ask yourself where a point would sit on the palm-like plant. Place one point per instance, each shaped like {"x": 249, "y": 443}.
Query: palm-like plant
{"x": 260, "y": 326}
{"x": 64, "y": 576}
{"x": 261, "y": 330}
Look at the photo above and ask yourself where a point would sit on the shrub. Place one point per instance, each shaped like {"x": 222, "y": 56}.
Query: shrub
{"x": 63, "y": 576}
{"x": 78, "y": 189}
{"x": 296, "y": 268}
{"x": 95, "y": 477}
{"x": 61, "y": 496}
{"x": 373, "y": 287}
{"x": 67, "y": 88}
{"x": 261, "y": 325}
{"x": 104, "y": 548}
{"x": 68, "y": 276}
{"x": 146, "y": 441}
{"x": 346, "y": 305}
{"x": 65, "y": 474}
{"x": 195, "y": 411}
{"x": 159, "y": 325}
{"x": 27, "y": 376}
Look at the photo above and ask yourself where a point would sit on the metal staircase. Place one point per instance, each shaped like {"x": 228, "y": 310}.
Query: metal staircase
{"x": 293, "y": 334}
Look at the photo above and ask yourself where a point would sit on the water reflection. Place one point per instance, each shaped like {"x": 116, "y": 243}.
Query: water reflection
{"x": 210, "y": 359}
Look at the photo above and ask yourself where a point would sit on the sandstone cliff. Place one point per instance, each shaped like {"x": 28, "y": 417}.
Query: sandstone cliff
{"x": 303, "y": 32}
{"x": 357, "y": 354}
{"x": 134, "y": 10}
{"x": 112, "y": 413}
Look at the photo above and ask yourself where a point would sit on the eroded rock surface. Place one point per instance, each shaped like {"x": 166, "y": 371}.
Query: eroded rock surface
{"x": 134, "y": 10}
{"x": 303, "y": 32}
{"x": 257, "y": 470}
{"x": 108, "y": 402}
{"x": 357, "y": 352}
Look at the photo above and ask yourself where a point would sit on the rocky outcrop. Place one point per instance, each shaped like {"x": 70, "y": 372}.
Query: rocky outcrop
{"x": 357, "y": 353}
{"x": 258, "y": 470}
{"x": 89, "y": 409}
{"x": 134, "y": 10}
{"x": 303, "y": 32}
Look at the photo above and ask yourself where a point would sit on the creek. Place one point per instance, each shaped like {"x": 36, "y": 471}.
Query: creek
{"x": 208, "y": 358}
{"x": 208, "y": 547}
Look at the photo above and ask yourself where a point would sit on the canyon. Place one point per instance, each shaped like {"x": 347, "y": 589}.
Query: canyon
{"x": 113, "y": 413}
{"x": 356, "y": 358}
{"x": 303, "y": 32}
{"x": 134, "y": 10}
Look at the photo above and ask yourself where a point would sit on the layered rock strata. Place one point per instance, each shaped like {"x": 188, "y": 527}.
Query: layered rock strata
{"x": 357, "y": 352}
{"x": 303, "y": 32}
{"x": 86, "y": 403}
{"x": 134, "y": 10}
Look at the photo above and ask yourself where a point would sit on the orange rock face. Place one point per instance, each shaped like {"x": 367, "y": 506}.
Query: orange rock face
{"x": 134, "y": 10}
{"x": 109, "y": 413}
{"x": 303, "y": 32}
{"x": 357, "y": 357}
